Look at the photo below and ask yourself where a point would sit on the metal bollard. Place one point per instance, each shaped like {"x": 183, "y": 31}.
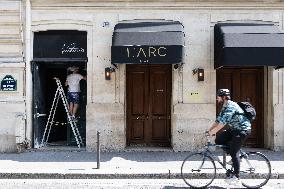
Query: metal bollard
{"x": 224, "y": 158}
{"x": 98, "y": 150}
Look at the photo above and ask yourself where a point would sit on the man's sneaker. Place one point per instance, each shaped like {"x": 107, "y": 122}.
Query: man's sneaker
{"x": 73, "y": 118}
{"x": 233, "y": 180}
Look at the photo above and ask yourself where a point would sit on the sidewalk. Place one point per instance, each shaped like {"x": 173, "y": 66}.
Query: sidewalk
{"x": 74, "y": 164}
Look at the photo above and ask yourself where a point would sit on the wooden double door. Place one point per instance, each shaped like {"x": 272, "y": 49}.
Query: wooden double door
{"x": 148, "y": 94}
{"x": 246, "y": 84}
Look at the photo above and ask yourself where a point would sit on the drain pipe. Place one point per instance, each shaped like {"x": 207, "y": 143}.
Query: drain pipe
{"x": 98, "y": 150}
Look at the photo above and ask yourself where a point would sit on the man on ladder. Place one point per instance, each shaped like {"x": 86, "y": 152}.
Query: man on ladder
{"x": 60, "y": 94}
{"x": 73, "y": 94}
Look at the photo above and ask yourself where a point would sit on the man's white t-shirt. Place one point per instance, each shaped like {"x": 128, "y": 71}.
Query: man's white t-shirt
{"x": 73, "y": 81}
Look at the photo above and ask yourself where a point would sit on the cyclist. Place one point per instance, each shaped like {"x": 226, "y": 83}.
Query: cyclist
{"x": 239, "y": 128}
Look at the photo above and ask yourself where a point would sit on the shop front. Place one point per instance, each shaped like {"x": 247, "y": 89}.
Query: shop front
{"x": 53, "y": 53}
{"x": 149, "y": 48}
{"x": 243, "y": 51}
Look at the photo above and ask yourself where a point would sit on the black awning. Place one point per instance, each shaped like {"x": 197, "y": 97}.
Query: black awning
{"x": 60, "y": 44}
{"x": 152, "y": 42}
{"x": 248, "y": 44}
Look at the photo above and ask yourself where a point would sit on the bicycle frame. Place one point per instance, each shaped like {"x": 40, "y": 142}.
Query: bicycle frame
{"x": 206, "y": 151}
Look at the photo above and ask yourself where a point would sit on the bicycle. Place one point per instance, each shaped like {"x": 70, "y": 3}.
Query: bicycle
{"x": 198, "y": 170}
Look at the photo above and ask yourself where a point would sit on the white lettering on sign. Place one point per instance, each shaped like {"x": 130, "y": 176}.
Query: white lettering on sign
{"x": 8, "y": 83}
{"x": 143, "y": 53}
{"x": 160, "y": 51}
{"x": 148, "y": 52}
{"x": 71, "y": 49}
{"x": 152, "y": 51}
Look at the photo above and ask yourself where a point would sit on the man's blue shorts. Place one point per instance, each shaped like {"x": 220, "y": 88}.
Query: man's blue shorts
{"x": 73, "y": 97}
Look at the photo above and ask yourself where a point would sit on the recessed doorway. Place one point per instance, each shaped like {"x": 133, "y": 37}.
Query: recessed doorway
{"x": 148, "y": 96}
{"x": 246, "y": 84}
{"x": 44, "y": 88}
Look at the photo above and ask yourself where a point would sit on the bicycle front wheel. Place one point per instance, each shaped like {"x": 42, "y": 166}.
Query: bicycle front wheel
{"x": 255, "y": 170}
{"x": 198, "y": 170}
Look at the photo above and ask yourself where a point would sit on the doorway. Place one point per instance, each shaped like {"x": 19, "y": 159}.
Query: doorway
{"x": 44, "y": 88}
{"x": 246, "y": 84}
{"x": 148, "y": 98}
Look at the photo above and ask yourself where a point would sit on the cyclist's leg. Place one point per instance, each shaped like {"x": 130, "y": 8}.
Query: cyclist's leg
{"x": 234, "y": 147}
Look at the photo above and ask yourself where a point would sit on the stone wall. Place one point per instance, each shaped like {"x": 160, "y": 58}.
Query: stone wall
{"x": 193, "y": 102}
{"x": 278, "y": 107}
{"x": 11, "y": 44}
{"x": 12, "y": 104}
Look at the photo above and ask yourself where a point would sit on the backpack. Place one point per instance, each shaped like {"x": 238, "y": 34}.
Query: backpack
{"x": 249, "y": 110}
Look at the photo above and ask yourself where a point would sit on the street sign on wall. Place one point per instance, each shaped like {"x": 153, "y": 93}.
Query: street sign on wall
{"x": 8, "y": 83}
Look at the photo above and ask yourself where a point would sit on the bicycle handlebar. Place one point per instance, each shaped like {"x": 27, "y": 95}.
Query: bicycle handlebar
{"x": 209, "y": 143}
{"x": 207, "y": 135}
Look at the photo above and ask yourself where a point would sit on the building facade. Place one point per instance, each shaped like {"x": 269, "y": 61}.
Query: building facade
{"x": 157, "y": 100}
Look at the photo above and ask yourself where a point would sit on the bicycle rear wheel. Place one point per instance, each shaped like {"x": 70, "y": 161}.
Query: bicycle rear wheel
{"x": 198, "y": 170}
{"x": 255, "y": 170}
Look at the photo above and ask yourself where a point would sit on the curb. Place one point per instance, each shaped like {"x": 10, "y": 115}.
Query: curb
{"x": 112, "y": 176}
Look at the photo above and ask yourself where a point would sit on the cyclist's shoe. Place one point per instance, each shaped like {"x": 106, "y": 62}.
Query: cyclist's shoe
{"x": 233, "y": 180}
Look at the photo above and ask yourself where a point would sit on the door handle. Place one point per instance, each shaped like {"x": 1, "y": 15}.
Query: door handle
{"x": 39, "y": 115}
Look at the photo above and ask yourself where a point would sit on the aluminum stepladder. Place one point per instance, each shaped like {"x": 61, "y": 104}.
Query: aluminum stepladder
{"x": 60, "y": 94}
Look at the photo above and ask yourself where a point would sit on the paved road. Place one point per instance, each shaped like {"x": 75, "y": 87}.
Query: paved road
{"x": 116, "y": 183}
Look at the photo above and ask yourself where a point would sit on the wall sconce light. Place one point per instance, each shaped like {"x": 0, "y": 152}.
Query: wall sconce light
{"x": 176, "y": 66}
{"x": 108, "y": 71}
{"x": 200, "y": 73}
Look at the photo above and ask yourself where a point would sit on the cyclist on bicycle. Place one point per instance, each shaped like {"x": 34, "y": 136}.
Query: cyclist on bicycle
{"x": 239, "y": 128}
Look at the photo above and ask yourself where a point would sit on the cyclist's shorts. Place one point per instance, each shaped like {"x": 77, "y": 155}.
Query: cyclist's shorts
{"x": 73, "y": 97}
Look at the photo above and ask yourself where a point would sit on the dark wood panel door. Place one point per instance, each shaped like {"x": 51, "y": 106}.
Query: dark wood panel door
{"x": 39, "y": 106}
{"x": 137, "y": 99}
{"x": 148, "y": 93}
{"x": 246, "y": 84}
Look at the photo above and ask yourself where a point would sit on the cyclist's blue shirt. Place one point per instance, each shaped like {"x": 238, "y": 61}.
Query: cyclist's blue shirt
{"x": 231, "y": 114}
